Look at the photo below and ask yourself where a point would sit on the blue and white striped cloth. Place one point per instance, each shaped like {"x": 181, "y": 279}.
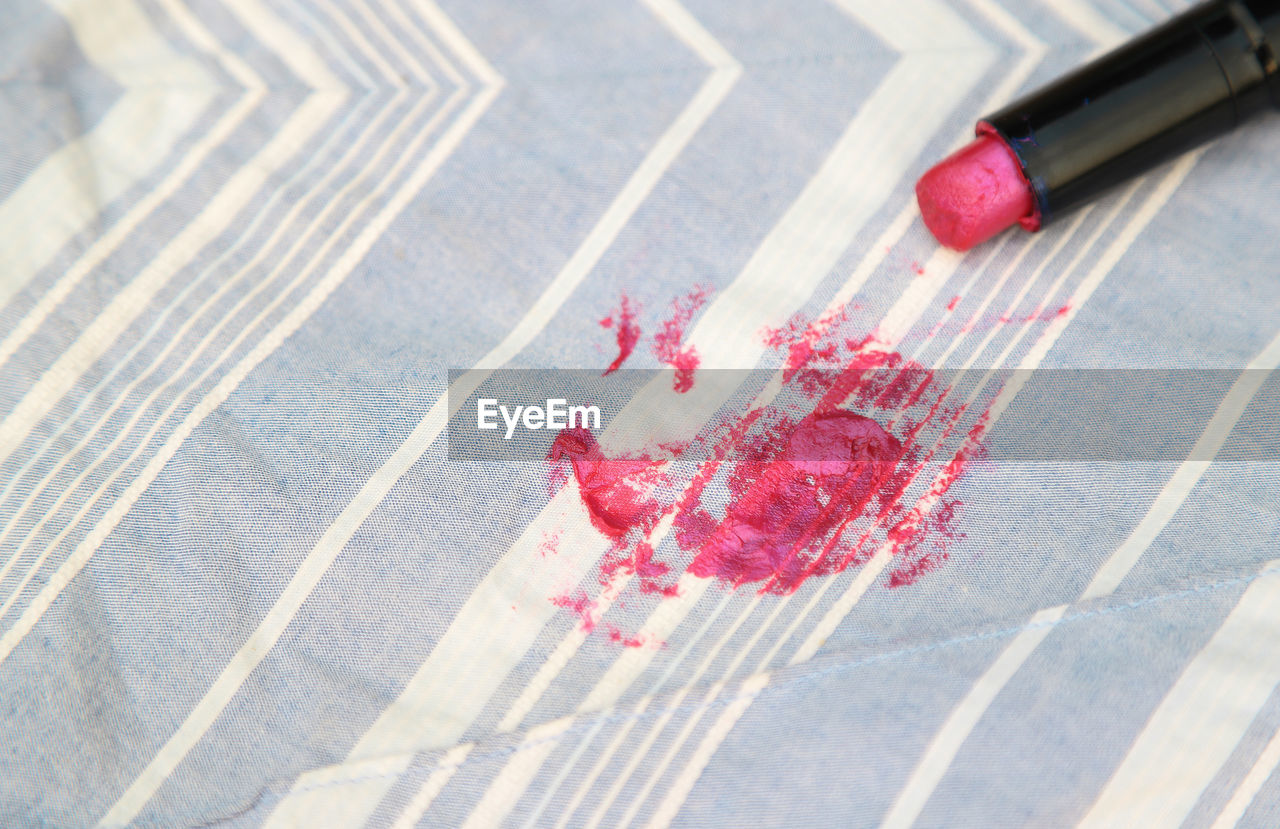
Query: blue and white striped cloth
{"x": 243, "y": 242}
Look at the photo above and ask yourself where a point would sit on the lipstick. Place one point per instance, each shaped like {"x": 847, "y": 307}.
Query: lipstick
{"x": 1181, "y": 85}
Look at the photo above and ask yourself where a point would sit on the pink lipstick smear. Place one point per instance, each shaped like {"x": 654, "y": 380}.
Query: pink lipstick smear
{"x": 858, "y": 455}
{"x": 627, "y": 332}
{"x": 833, "y": 464}
{"x": 612, "y": 490}
{"x": 667, "y": 343}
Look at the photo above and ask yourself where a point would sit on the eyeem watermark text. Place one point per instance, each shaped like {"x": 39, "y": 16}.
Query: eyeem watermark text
{"x": 557, "y": 414}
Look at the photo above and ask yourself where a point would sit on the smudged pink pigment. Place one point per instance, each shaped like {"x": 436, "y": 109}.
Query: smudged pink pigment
{"x": 812, "y": 490}
{"x": 580, "y": 605}
{"x": 612, "y": 489}
{"x": 667, "y": 343}
{"x": 549, "y": 545}
{"x": 627, "y": 332}
{"x": 833, "y": 464}
{"x": 616, "y": 494}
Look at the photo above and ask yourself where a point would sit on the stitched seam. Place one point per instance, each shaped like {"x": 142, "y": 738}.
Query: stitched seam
{"x": 787, "y": 684}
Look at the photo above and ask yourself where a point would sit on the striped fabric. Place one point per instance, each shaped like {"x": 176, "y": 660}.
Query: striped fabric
{"x": 244, "y": 242}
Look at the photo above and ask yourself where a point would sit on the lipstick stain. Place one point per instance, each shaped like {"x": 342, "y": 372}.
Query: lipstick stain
{"x": 987, "y": 322}
{"x": 638, "y": 641}
{"x": 789, "y": 511}
{"x": 578, "y": 604}
{"x": 617, "y": 493}
{"x": 908, "y": 539}
{"x": 1037, "y": 315}
{"x": 627, "y": 332}
{"x": 667, "y": 343}
{"x": 856, "y": 458}
{"x": 805, "y": 345}
{"x": 955, "y": 300}
{"x": 612, "y": 489}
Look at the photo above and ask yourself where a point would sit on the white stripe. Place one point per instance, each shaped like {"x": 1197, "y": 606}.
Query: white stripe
{"x": 201, "y": 38}
{"x": 673, "y": 704}
{"x": 710, "y": 743}
{"x": 676, "y": 701}
{"x": 1249, "y": 787}
{"x": 695, "y": 716}
{"x": 947, "y": 741}
{"x": 555, "y": 663}
{"x": 175, "y": 340}
{"x": 427, "y": 714}
{"x": 1088, "y": 21}
{"x": 940, "y": 266}
{"x": 1136, "y": 224}
{"x": 835, "y": 615}
{"x": 122, "y": 38}
{"x": 116, "y": 36}
{"x": 914, "y": 25}
{"x": 422, "y": 800}
{"x": 51, "y": 512}
{"x": 739, "y": 349}
{"x": 193, "y": 29}
{"x": 869, "y": 572}
{"x": 69, "y": 188}
{"x": 856, "y": 177}
{"x": 493, "y": 807}
{"x": 349, "y": 777}
{"x": 670, "y": 804}
{"x": 330, "y": 544}
{"x": 920, "y": 786}
{"x": 405, "y": 24}
{"x": 651, "y": 169}
{"x": 624, "y": 728}
{"x": 896, "y": 325}
{"x": 292, "y": 50}
{"x": 1184, "y": 480}
{"x": 692, "y": 34}
{"x": 133, "y": 298}
{"x": 1197, "y": 725}
{"x": 373, "y": 54}
{"x": 1033, "y": 53}
{"x": 463, "y": 48}
{"x": 69, "y": 421}
{"x": 602, "y": 760}
{"x": 380, "y": 30}
{"x": 883, "y": 25}
{"x": 305, "y": 578}
{"x": 46, "y": 193}
{"x": 632, "y": 662}
{"x": 317, "y": 30}
{"x": 946, "y": 744}
{"x": 865, "y": 576}
{"x": 638, "y": 754}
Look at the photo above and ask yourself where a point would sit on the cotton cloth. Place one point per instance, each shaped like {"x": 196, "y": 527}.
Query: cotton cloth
{"x": 243, "y": 581}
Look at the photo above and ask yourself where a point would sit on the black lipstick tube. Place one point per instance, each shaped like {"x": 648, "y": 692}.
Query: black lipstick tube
{"x": 1192, "y": 79}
